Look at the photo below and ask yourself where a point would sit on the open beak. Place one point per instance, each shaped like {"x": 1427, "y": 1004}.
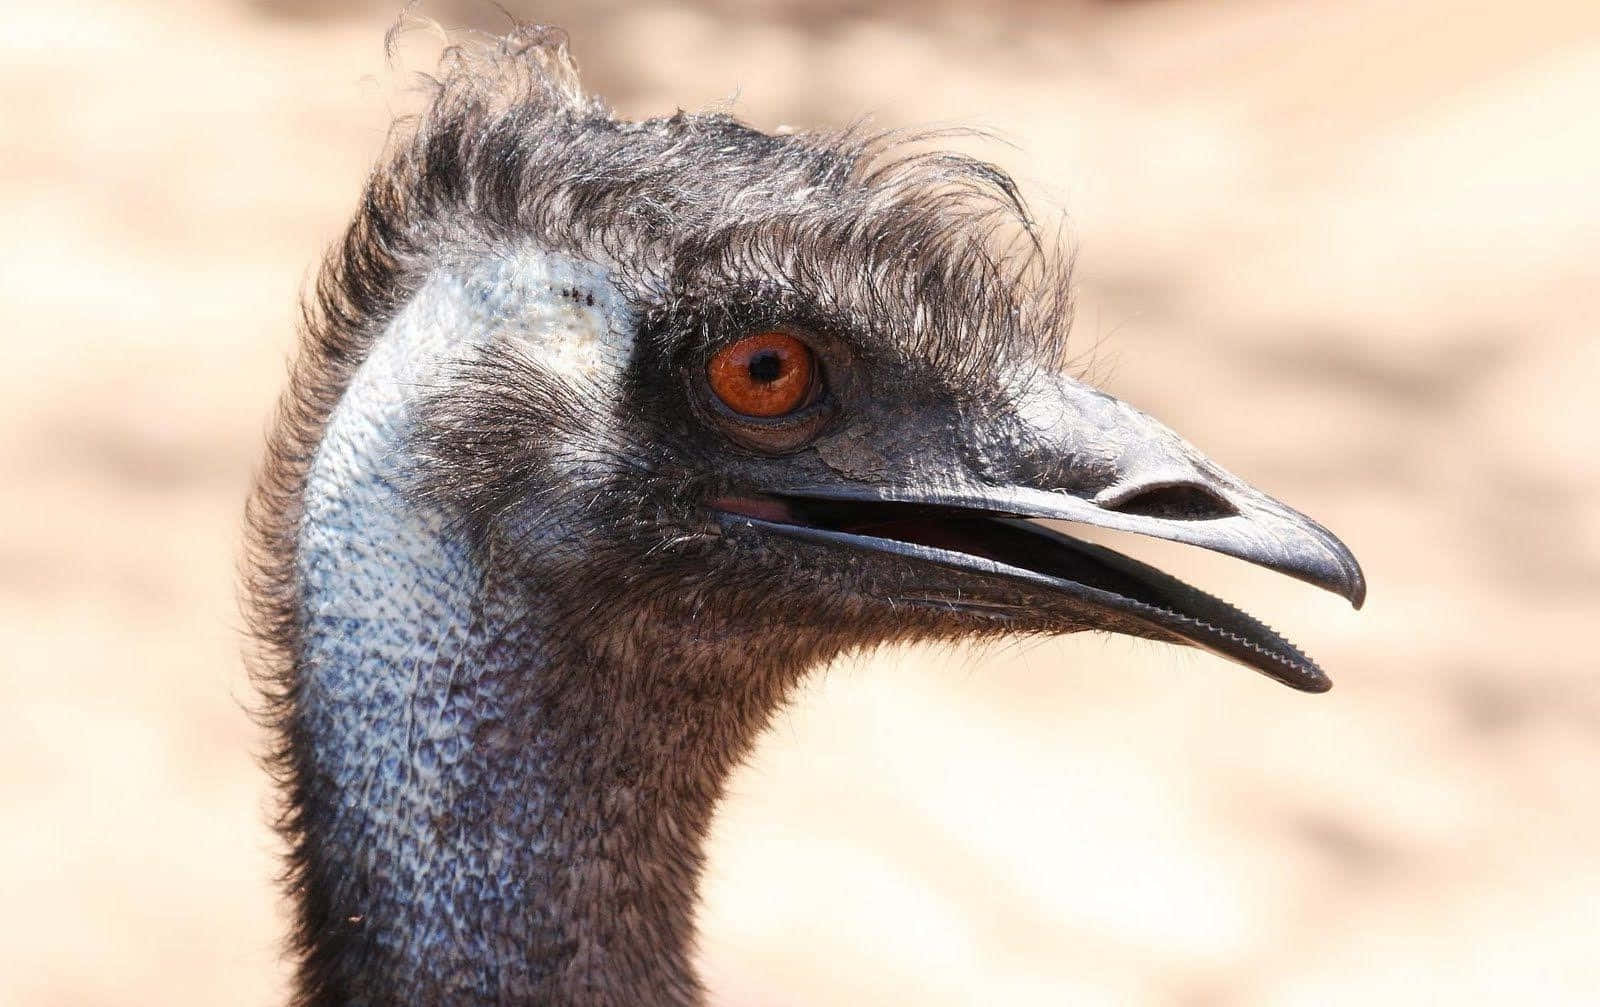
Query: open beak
{"x": 1150, "y": 482}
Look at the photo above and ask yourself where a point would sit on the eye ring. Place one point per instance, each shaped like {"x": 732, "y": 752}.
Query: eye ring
{"x": 765, "y": 375}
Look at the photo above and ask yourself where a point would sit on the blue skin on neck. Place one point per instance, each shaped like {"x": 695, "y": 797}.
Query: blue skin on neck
{"x": 429, "y": 793}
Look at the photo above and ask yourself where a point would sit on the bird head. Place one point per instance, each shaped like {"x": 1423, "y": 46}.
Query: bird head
{"x": 800, "y": 387}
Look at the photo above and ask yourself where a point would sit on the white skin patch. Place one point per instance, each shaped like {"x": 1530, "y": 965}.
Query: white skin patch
{"x": 394, "y": 687}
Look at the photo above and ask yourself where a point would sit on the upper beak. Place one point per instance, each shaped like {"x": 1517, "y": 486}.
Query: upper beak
{"x": 1126, "y": 472}
{"x": 1162, "y": 486}
{"x": 1153, "y": 483}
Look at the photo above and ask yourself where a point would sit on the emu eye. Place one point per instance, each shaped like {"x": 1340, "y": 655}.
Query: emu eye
{"x": 765, "y": 375}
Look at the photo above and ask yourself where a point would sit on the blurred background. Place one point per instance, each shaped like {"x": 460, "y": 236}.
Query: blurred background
{"x": 1351, "y": 248}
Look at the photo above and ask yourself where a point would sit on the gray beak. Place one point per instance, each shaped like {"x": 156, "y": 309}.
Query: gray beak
{"x": 1089, "y": 459}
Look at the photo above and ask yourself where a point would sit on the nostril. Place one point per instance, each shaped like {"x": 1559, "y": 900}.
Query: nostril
{"x": 1175, "y": 502}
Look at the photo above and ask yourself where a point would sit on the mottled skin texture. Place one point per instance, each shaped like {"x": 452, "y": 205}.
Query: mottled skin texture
{"x": 509, "y": 649}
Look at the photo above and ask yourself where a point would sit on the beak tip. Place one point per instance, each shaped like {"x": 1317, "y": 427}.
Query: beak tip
{"x": 1347, "y": 579}
{"x": 1358, "y": 588}
{"x": 1306, "y": 677}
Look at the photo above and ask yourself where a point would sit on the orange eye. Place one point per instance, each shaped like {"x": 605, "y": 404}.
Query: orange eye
{"x": 766, "y": 374}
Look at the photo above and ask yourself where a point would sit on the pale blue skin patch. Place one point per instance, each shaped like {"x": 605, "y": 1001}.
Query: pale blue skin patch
{"x": 395, "y": 693}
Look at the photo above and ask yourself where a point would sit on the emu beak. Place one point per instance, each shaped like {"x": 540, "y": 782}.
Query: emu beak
{"x": 1130, "y": 474}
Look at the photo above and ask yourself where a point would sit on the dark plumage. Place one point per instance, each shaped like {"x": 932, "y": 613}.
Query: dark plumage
{"x": 527, "y": 589}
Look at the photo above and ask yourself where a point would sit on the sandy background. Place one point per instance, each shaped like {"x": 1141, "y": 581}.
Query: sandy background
{"x": 1350, "y": 247}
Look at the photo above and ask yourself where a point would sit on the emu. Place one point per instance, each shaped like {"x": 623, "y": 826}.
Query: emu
{"x": 601, "y": 433}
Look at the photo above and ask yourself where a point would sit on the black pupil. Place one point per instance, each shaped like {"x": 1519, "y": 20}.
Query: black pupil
{"x": 766, "y": 366}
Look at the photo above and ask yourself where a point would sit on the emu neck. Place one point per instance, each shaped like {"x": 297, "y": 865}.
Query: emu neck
{"x": 493, "y": 811}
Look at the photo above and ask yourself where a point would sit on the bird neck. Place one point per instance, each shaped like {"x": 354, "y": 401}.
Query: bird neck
{"x": 493, "y": 803}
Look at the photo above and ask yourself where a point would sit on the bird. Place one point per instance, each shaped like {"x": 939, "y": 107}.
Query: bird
{"x": 601, "y": 433}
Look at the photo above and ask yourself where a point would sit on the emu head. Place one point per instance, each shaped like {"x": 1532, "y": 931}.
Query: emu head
{"x": 775, "y": 395}
{"x": 601, "y": 434}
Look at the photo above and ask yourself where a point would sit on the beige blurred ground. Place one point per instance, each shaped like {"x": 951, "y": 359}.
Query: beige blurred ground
{"x": 1351, "y": 247}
